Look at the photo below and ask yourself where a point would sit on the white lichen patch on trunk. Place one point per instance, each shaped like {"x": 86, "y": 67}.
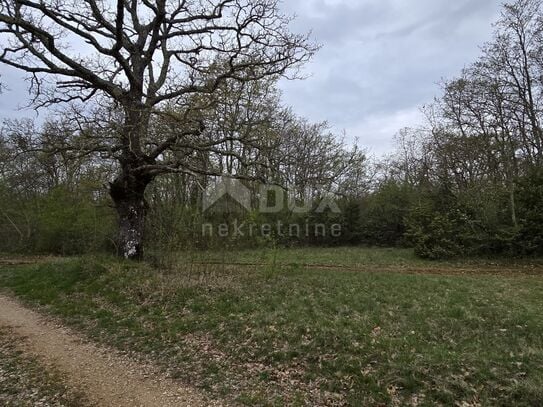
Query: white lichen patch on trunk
{"x": 131, "y": 249}
{"x": 132, "y": 244}
{"x": 131, "y": 229}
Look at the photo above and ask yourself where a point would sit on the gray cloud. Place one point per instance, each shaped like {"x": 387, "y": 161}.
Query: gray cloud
{"x": 381, "y": 60}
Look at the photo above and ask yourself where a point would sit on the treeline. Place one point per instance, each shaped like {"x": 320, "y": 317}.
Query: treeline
{"x": 55, "y": 199}
{"x": 50, "y": 203}
{"x": 476, "y": 167}
{"x": 469, "y": 181}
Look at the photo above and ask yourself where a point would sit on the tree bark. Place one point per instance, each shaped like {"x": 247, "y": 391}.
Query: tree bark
{"x": 128, "y": 194}
{"x": 128, "y": 189}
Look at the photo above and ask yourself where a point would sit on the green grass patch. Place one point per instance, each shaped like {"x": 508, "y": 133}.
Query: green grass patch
{"x": 298, "y": 336}
{"x": 361, "y": 257}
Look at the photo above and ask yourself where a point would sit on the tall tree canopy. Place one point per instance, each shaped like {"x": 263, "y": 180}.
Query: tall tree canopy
{"x": 142, "y": 60}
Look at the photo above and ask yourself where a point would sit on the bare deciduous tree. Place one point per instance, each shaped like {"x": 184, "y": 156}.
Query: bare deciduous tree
{"x": 140, "y": 56}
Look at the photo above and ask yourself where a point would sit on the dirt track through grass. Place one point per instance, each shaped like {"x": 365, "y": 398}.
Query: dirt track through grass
{"x": 105, "y": 377}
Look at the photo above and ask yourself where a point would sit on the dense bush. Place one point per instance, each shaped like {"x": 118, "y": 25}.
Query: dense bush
{"x": 59, "y": 222}
{"x": 530, "y": 201}
{"x": 384, "y": 213}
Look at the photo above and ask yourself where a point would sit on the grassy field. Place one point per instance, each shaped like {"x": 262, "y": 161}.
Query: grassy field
{"x": 340, "y": 256}
{"x": 276, "y": 332}
{"x": 346, "y": 257}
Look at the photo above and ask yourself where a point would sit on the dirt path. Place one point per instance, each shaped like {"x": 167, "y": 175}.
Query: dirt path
{"x": 105, "y": 377}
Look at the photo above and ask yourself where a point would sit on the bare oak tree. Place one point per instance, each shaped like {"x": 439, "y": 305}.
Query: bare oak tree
{"x": 142, "y": 56}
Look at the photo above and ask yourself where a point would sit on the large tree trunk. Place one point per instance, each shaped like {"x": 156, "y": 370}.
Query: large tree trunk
{"x": 128, "y": 194}
{"x": 128, "y": 189}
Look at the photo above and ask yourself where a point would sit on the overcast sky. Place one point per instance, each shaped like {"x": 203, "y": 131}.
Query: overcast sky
{"x": 381, "y": 60}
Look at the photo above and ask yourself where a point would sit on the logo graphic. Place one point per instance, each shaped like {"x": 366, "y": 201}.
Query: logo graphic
{"x": 227, "y": 188}
{"x": 268, "y": 199}
{"x": 224, "y": 190}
